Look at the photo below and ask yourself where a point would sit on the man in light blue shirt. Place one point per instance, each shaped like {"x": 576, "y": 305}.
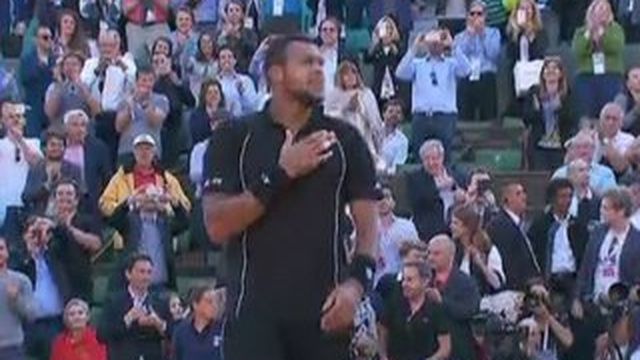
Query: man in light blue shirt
{"x": 238, "y": 89}
{"x": 481, "y": 45}
{"x": 582, "y": 146}
{"x": 434, "y": 75}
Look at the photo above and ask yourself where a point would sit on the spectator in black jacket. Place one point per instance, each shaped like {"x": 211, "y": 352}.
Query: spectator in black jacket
{"x": 585, "y": 204}
{"x": 432, "y": 190}
{"x": 548, "y": 117}
{"x": 134, "y": 320}
{"x": 385, "y": 53}
{"x": 507, "y": 232}
{"x": 456, "y": 291}
{"x": 559, "y": 239}
{"x": 90, "y": 155}
{"x": 527, "y": 41}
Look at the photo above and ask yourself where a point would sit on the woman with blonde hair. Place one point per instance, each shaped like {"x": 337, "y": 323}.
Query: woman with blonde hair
{"x": 78, "y": 340}
{"x": 352, "y": 101}
{"x": 384, "y": 54}
{"x": 548, "y": 116}
{"x": 527, "y": 40}
{"x": 599, "y": 49}
{"x": 475, "y": 254}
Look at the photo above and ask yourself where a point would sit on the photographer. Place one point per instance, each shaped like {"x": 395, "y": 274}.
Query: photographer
{"x": 434, "y": 79}
{"x": 148, "y": 207}
{"x": 68, "y": 92}
{"x": 44, "y": 266}
{"x": 480, "y": 196}
{"x": 555, "y": 336}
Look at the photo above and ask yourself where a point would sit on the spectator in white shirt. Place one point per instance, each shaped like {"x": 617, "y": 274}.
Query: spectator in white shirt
{"x": 394, "y": 231}
{"x": 395, "y": 145}
{"x": 111, "y": 75}
{"x": 329, "y": 30}
{"x": 614, "y": 143}
{"x": 17, "y": 155}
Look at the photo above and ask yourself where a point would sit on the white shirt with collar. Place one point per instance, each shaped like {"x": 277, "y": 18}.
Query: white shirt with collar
{"x": 330, "y": 67}
{"x": 395, "y": 147}
{"x": 608, "y": 265}
{"x": 515, "y": 218}
{"x": 14, "y": 169}
{"x": 562, "y": 258}
{"x": 117, "y": 82}
{"x": 401, "y": 230}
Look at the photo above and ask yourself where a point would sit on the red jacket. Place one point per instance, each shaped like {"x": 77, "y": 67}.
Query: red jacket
{"x": 86, "y": 347}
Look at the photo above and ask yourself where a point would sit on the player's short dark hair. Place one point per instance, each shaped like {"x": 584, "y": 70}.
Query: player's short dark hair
{"x": 279, "y": 46}
{"x": 136, "y": 258}
{"x": 555, "y": 186}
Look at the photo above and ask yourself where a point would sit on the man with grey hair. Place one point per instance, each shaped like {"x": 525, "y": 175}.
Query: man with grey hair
{"x": 585, "y": 204}
{"x": 432, "y": 190}
{"x": 583, "y": 146}
{"x": 456, "y": 291}
{"x": 614, "y": 143}
{"x": 110, "y": 75}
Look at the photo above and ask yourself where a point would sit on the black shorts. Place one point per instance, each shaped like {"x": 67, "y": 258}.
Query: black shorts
{"x": 256, "y": 336}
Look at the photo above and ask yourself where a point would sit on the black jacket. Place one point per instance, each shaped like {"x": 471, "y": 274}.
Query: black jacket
{"x": 135, "y": 341}
{"x": 542, "y": 241}
{"x": 59, "y": 271}
{"x": 518, "y": 261}
{"x": 533, "y": 117}
{"x": 97, "y": 171}
{"x": 461, "y": 300}
{"x": 629, "y": 271}
{"x": 426, "y": 205}
{"x": 36, "y": 190}
{"x": 381, "y": 61}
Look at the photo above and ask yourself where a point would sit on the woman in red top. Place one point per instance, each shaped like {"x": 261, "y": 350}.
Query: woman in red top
{"x": 78, "y": 340}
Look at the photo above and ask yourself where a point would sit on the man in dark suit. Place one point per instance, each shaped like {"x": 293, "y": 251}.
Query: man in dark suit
{"x": 134, "y": 321}
{"x": 43, "y": 265}
{"x": 457, "y": 292}
{"x": 611, "y": 256}
{"x": 432, "y": 190}
{"x": 507, "y": 233}
{"x": 42, "y": 177}
{"x": 559, "y": 239}
{"x": 89, "y": 154}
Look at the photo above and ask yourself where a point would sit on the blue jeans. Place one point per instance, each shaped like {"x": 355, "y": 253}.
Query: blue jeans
{"x": 594, "y": 91}
{"x": 439, "y": 126}
{"x": 12, "y": 353}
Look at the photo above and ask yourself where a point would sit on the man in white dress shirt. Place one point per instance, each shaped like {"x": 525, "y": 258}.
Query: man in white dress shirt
{"x": 17, "y": 155}
{"x": 394, "y": 231}
{"x": 395, "y": 144}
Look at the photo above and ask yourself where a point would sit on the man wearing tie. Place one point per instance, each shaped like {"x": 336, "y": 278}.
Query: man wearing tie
{"x": 611, "y": 256}
{"x": 506, "y": 230}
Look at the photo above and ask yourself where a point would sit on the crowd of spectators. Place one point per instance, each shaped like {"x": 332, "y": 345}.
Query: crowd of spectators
{"x": 107, "y": 119}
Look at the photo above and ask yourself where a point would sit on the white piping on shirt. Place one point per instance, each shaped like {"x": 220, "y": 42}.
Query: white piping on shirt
{"x": 336, "y": 229}
{"x": 245, "y": 258}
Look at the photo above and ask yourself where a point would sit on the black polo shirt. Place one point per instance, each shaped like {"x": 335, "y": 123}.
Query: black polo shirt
{"x": 287, "y": 262}
{"x": 412, "y": 337}
{"x": 190, "y": 344}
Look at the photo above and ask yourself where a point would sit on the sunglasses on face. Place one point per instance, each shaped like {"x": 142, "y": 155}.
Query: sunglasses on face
{"x": 45, "y": 37}
{"x": 476, "y": 13}
{"x": 434, "y": 78}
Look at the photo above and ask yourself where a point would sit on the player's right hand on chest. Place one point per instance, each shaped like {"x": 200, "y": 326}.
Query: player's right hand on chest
{"x": 300, "y": 157}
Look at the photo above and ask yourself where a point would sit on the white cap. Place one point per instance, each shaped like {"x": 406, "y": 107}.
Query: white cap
{"x": 144, "y": 139}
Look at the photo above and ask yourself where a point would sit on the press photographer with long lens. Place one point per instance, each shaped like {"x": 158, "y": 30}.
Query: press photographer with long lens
{"x": 546, "y": 318}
